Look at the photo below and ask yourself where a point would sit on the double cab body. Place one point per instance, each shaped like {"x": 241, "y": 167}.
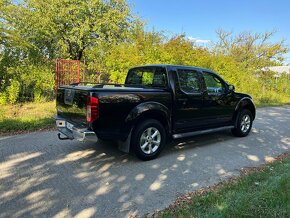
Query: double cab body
{"x": 156, "y": 102}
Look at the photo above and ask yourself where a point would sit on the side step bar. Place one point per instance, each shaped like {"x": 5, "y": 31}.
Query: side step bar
{"x": 188, "y": 134}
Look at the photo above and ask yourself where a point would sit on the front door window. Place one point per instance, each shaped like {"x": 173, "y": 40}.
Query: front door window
{"x": 213, "y": 84}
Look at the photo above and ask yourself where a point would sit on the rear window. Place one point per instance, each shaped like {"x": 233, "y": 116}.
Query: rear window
{"x": 147, "y": 76}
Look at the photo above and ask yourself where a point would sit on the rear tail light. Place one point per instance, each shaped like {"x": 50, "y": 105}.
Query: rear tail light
{"x": 92, "y": 109}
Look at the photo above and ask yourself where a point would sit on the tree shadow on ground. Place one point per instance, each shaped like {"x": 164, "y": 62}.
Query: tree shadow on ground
{"x": 41, "y": 176}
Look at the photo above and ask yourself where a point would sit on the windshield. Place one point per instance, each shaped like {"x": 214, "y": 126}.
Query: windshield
{"x": 147, "y": 76}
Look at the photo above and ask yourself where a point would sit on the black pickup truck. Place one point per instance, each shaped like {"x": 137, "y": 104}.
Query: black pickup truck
{"x": 156, "y": 103}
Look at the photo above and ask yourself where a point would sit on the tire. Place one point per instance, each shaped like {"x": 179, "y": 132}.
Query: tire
{"x": 148, "y": 139}
{"x": 244, "y": 123}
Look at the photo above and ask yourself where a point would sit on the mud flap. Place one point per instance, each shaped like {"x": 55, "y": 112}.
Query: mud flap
{"x": 125, "y": 145}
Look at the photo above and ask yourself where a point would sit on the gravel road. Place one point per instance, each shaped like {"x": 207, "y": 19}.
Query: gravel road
{"x": 44, "y": 177}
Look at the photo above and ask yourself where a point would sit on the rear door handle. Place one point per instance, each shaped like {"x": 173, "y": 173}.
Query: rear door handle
{"x": 183, "y": 100}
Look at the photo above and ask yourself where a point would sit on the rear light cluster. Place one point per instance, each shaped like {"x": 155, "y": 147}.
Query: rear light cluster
{"x": 92, "y": 109}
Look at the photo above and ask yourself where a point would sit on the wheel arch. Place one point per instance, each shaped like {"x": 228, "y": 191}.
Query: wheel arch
{"x": 149, "y": 110}
{"x": 244, "y": 103}
{"x": 156, "y": 115}
{"x": 143, "y": 111}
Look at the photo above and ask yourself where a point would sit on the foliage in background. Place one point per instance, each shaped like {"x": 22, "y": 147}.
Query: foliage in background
{"x": 108, "y": 40}
{"x": 36, "y": 32}
{"x": 240, "y": 63}
{"x": 28, "y": 82}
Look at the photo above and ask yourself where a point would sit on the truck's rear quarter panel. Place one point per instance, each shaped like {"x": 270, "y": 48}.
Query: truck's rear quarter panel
{"x": 115, "y": 107}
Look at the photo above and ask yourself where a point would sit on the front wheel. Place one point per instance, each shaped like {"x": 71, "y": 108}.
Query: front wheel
{"x": 244, "y": 123}
{"x": 148, "y": 139}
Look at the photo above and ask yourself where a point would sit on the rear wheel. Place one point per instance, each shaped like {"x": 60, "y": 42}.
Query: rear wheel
{"x": 148, "y": 139}
{"x": 244, "y": 123}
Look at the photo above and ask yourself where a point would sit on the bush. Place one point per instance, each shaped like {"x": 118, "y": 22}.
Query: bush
{"x": 3, "y": 98}
{"x": 31, "y": 82}
{"x": 13, "y": 91}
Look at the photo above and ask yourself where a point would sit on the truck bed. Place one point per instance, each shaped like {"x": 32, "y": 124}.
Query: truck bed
{"x": 116, "y": 102}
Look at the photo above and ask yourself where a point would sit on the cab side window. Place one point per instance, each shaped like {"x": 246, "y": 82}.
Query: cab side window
{"x": 147, "y": 76}
{"x": 189, "y": 81}
{"x": 213, "y": 84}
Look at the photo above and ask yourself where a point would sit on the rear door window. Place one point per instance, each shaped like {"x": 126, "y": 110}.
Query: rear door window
{"x": 189, "y": 81}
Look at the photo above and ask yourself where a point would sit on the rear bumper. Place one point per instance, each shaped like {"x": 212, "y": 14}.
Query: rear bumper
{"x": 80, "y": 134}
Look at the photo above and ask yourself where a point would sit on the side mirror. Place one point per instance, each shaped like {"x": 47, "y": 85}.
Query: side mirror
{"x": 231, "y": 88}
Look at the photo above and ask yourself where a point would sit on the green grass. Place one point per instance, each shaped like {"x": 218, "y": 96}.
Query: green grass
{"x": 267, "y": 102}
{"x": 272, "y": 104}
{"x": 26, "y": 117}
{"x": 260, "y": 194}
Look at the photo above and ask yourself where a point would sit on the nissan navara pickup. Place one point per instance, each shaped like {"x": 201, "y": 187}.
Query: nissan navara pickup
{"x": 156, "y": 103}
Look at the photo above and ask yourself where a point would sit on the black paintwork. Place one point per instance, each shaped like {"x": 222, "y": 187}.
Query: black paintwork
{"x": 122, "y": 106}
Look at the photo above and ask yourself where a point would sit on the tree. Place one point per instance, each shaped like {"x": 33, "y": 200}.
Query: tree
{"x": 252, "y": 50}
{"x": 180, "y": 50}
{"x": 65, "y": 28}
{"x": 35, "y": 32}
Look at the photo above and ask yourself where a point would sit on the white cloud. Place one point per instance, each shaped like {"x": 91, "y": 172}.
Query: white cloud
{"x": 197, "y": 40}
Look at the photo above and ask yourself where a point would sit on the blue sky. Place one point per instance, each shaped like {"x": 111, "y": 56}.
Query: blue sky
{"x": 200, "y": 19}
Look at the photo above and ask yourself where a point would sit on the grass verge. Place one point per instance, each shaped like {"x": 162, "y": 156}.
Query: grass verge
{"x": 272, "y": 104}
{"x": 277, "y": 103}
{"x": 26, "y": 117}
{"x": 261, "y": 192}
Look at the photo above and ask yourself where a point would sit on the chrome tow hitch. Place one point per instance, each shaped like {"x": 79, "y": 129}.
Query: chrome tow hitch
{"x": 62, "y": 138}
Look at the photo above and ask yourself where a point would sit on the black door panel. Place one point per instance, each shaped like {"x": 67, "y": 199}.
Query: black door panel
{"x": 189, "y": 101}
{"x": 188, "y": 113}
{"x": 218, "y": 102}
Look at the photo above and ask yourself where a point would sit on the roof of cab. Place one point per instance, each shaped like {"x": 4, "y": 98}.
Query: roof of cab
{"x": 173, "y": 65}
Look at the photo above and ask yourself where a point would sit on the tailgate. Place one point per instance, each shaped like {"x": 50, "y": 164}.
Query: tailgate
{"x": 71, "y": 104}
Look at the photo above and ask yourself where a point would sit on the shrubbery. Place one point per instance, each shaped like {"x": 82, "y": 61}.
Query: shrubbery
{"x": 33, "y": 35}
{"x": 245, "y": 75}
{"x": 28, "y": 82}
